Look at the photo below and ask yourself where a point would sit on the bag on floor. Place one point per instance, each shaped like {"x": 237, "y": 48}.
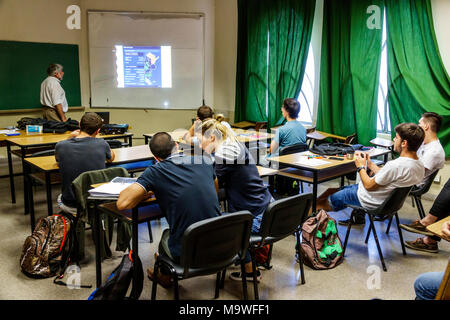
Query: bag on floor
{"x": 117, "y": 284}
{"x": 48, "y": 248}
{"x": 321, "y": 247}
{"x": 262, "y": 256}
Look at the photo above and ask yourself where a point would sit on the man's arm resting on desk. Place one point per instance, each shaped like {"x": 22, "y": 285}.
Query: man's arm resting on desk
{"x": 113, "y": 156}
{"x": 131, "y": 197}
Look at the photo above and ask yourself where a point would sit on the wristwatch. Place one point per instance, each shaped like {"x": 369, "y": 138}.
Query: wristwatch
{"x": 359, "y": 169}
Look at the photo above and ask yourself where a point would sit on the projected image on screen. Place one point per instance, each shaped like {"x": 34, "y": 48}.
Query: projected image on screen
{"x": 144, "y": 67}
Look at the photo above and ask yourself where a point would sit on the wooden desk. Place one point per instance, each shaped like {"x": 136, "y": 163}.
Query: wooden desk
{"x": 250, "y": 138}
{"x": 44, "y": 140}
{"x": 383, "y": 143}
{"x": 264, "y": 172}
{"x": 318, "y": 174}
{"x": 48, "y": 165}
{"x": 436, "y": 227}
{"x": 243, "y": 125}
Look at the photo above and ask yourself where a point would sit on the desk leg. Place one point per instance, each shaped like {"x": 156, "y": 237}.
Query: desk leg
{"x": 28, "y": 189}
{"x": 92, "y": 206}
{"x": 11, "y": 173}
{"x": 146, "y": 140}
{"x": 134, "y": 228}
{"x": 314, "y": 199}
{"x": 130, "y": 141}
{"x": 25, "y": 189}
{"x": 48, "y": 186}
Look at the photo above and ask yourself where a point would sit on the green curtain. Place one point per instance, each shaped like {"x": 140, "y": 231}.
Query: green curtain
{"x": 251, "y": 75}
{"x": 350, "y": 63}
{"x": 417, "y": 79}
{"x": 291, "y": 24}
{"x": 273, "y": 41}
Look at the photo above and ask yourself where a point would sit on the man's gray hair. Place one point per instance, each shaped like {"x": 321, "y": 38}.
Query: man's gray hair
{"x": 53, "y": 69}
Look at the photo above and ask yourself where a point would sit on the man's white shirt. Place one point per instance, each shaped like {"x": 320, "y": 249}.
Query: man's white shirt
{"x": 432, "y": 155}
{"x": 53, "y": 94}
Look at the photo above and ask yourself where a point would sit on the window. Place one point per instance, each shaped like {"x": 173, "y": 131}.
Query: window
{"x": 383, "y": 120}
{"x": 306, "y": 96}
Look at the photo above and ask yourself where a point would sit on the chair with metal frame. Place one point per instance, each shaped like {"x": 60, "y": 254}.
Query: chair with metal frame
{"x": 386, "y": 210}
{"x": 281, "y": 219}
{"x": 208, "y": 247}
{"x": 417, "y": 192}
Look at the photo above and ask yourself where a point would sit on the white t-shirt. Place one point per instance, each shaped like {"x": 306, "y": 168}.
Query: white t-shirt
{"x": 432, "y": 155}
{"x": 52, "y": 93}
{"x": 398, "y": 173}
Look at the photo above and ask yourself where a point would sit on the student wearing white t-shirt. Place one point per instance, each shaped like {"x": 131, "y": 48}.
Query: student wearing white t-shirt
{"x": 431, "y": 152}
{"x": 404, "y": 171}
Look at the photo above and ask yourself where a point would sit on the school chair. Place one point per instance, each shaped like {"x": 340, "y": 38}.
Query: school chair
{"x": 281, "y": 219}
{"x": 203, "y": 251}
{"x": 418, "y": 192}
{"x": 386, "y": 210}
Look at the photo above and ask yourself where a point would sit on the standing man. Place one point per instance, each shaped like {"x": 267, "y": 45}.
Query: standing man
{"x": 53, "y": 97}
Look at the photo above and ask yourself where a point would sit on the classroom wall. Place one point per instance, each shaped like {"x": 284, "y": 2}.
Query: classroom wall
{"x": 45, "y": 21}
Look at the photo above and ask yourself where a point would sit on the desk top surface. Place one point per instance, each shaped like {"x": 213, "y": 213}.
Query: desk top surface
{"x": 320, "y": 135}
{"x": 436, "y": 227}
{"x": 52, "y": 138}
{"x": 295, "y": 158}
{"x": 382, "y": 142}
{"x": 243, "y": 136}
{"x": 137, "y": 153}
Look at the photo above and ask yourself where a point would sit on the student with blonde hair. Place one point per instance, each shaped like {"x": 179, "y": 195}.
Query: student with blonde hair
{"x": 236, "y": 171}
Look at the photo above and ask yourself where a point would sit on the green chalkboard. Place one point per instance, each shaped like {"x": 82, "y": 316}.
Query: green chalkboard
{"x": 23, "y": 66}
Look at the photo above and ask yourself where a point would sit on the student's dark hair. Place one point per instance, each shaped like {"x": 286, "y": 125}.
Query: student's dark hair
{"x": 162, "y": 145}
{"x": 434, "y": 120}
{"x": 412, "y": 133}
{"x": 205, "y": 112}
{"x": 292, "y": 107}
{"x": 90, "y": 122}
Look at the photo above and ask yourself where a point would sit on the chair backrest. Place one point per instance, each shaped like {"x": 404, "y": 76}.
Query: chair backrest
{"x": 215, "y": 242}
{"x": 260, "y": 125}
{"x": 444, "y": 289}
{"x": 282, "y": 217}
{"x": 294, "y": 148}
{"x": 426, "y": 186}
{"x": 83, "y": 182}
{"x": 43, "y": 153}
{"x": 352, "y": 139}
{"x": 393, "y": 203}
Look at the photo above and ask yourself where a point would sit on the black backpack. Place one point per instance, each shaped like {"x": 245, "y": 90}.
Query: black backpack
{"x": 332, "y": 149}
{"x": 117, "y": 284}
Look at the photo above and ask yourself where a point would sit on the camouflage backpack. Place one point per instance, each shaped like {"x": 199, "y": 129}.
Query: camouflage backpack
{"x": 47, "y": 250}
{"x": 321, "y": 247}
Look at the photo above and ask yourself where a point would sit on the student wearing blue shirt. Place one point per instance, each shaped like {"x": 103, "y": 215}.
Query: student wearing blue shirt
{"x": 184, "y": 188}
{"x": 236, "y": 171}
{"x": 292, "y": 132}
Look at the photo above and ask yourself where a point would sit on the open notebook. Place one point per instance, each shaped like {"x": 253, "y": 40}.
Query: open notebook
{"x": 112, "y": 189}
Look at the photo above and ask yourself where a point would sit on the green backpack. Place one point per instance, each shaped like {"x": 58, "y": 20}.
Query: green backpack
{"x": 321, "y": 246}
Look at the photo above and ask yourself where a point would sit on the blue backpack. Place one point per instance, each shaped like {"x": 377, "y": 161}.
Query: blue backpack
{"x": 117, "y": 284}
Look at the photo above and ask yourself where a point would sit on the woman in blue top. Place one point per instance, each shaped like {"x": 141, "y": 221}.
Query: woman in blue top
{"x": 236, "y": 171}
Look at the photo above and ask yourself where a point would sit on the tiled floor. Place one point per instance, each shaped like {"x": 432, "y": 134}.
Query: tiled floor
{"x": 359, "y": 277}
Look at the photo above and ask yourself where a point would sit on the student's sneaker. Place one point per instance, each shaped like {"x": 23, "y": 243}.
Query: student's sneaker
{"x": 416, "y": 227}
{"x": 420, "y": 245}
{"x": 358, "y": 218}
{"x": 249, "y": 276}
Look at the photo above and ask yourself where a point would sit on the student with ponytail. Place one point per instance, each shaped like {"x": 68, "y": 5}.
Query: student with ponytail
{"x": 237, "y": 173}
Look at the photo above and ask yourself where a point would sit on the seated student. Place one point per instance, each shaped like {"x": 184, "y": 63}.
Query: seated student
{"x": 292, "y": 132}
{"x": 185, "y": 190}
{"x": 80, "y": 153}
{"x": 203, "y": 113}
{"x": 439, "y": 211}
{"x": 237, "y": 172}
{"x": 404, "y": 171}
{"x": 221, "y": 118}
{"x": 431, "y": 152}
{"x": 427, "y": 284}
